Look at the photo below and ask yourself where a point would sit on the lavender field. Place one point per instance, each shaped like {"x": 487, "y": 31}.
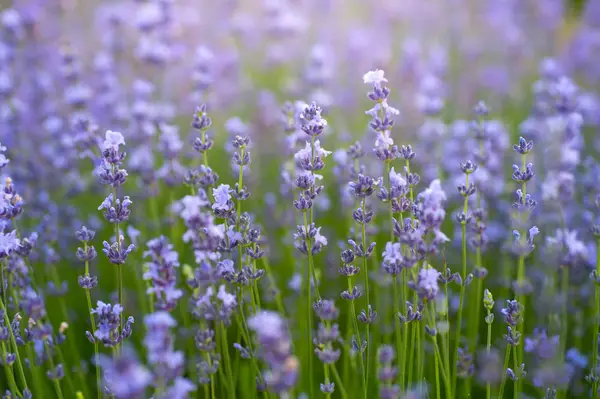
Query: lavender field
{"x": 299, "y": 199}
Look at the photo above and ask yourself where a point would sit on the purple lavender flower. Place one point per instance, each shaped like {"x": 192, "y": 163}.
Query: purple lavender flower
{"x": 116, "y": 252}
{"x": 8, "y": 243}
{"x": 116, "y": 211}
{"x": 427, "y": 283}
{"x": 222, "y": 198}
{"x": 162, "y": 273}
{"x": 124, "y": 376}
{"x": 168, "y": 364}
{"x": 387, "y": 373}
{"x": 108, "y": 321}
{"x": 109, "y": 171}
{"x": 272, "y": 336}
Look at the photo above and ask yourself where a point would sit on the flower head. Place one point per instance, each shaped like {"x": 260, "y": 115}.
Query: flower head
{"x": 374, "y": 77}
{"x": 113, "y": 140}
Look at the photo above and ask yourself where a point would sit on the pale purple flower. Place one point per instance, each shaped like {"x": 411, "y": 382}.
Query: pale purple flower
{"x": 308, "y": 151}
{"x": 374, "y": 77}
{"x": 428, "y": 281}
{"x": 108, "y": 320}
{"x": 267, "y": 324}
{"x": 124, "y": 376}
{"x": 534, "y": 231}
{"x": 222, "y": 197}
{"x": 320, "y": 239}
{"x": 396, "y": 179}
{"x": 189, "y": 207}
{"x": 162, "y": 273}
{"x": 180, "y": 389}
{"x": 8, "y": 243}
{"x": 392, "y": 252}
{"x": 113, "y": 140}
{"x": 384, "y": 140}
{"x": 226, "y": 298}
{"x": 568, "y": 238}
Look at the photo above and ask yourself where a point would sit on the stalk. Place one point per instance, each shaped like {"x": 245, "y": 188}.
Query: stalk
{"x": 488, "y": 388}
{"x": 516, "y": 388}
{"x": 463, "y": 229}
{"x": 89, "y": 303}
{"x": 8, "y": 371}
{"x": 521, "y": 267}
{"x": 339, "y": 381}
{"x": 411, "y": 355}
{"x": 357, "y": 332}
{"x": 397, "y": 322}
{"x": 506, "y": 359}
{"x": 438, "y": 359}
{"x": 119, "y": 272}
{"x": 326, "y": 372}
{"x": 56, "y": 381}
{"x": 366, "y": 267}
{"x": 13, "y": 342}
{"x": 225, "y": 348}
{"x": 37, "y": 383}
{"x": 308, "y": 310}
{"x": 596, "y": 323}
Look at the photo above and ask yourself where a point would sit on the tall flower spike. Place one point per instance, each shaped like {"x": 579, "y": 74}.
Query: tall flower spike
{"x": 162, "y": 273}
{"x": 272, "y": 336}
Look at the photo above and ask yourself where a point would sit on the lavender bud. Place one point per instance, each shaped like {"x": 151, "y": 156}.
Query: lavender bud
{"x": 367, "y": 317}
{"x": 327, "y": 388}
{"x": 523, "y": 147}
{"x": 468, "y": 167}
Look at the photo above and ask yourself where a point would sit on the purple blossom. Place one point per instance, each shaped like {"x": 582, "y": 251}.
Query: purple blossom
{"x": 222, "y": 198}
{"x": 113, "y": 140}
{"x": 162, "y": 273}
{"x": 8, "y": 243}
{"x": 124, "y": 376}
{"x": 108, "y": 320}
{"x": 272, "y": 336}
{"x": 116, "y": 211}
{"x": 117, "y": 252}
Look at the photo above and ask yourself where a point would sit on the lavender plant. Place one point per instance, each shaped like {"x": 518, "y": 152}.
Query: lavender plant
{"x": 267, "y": 271}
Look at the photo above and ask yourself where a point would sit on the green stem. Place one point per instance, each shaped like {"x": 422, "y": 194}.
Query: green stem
{"x": 397, "y": 319}
{"x": 488, "y": 387}
{"x": 411, "y": 347}
{"x": 13, "y": 342}
{"x": 326, "y": 372}
{"x": 516, "y": 367}
{"x": 366, "y": 267}
{"x": 93, "y": 321}
{"x": 225, "y": 349}
{"x": 119, "y": 273}
{"x": 243, "y": 327}
{"x": 309, "y": 351}
{"x": 503, "y": 383}
{"x": 358, "y": 339}
{"x": 35, "y": 372}
{"x": 8, "y": 371}
{"x": 596, "y": 323}
{"x": 565, "y": 314}
{"x": 461, "y": 300}
{"x": 405, "y": 331}
{"x": 271, "y": 277}
{"x": 339, "y": 381}
{"x": 56, "y": 381}
{"x": 438, "y": 356}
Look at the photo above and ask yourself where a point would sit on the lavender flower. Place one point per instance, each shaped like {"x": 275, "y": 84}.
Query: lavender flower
{"x": 124, "y": 376}
{"x": 162, "y": 273}
{"x": 116, "y": 252}
{"x": 108, "y": 321}
{"x": 273, "y": 339}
